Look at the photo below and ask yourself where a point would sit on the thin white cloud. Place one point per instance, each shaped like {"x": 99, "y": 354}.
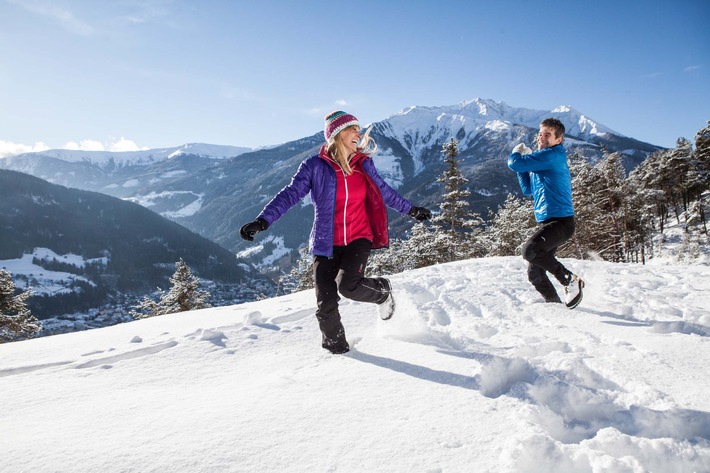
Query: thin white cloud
{"x": 234, "y": 93}
{"x": 341, "y": 102}
{"x": 692, "y": 68}
{"x": 652, "y": 75}
{"x": 145, "y": 11}
{"x": 85, "y": 145}
{"x": 8, "y": 148}
{"x": 119, "y": 145}
{"x": 50, "y": 9}
{"x": 124, "y": 145}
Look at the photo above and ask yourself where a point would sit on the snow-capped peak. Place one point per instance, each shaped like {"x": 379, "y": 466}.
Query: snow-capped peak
{"x": 478, "y": 114}
{"x": 209, "y": 151}
{"x": 561, "y": 109}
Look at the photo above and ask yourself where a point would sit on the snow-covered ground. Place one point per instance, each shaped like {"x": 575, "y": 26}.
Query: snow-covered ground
{"x": 473, "y": 373}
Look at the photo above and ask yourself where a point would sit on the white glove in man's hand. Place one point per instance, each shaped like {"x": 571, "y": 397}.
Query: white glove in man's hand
{"x": 522, "y": 149}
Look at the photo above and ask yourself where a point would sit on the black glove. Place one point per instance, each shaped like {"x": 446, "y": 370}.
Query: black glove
{"x": 252, "y": 228}
{"x": 419, "y": 213}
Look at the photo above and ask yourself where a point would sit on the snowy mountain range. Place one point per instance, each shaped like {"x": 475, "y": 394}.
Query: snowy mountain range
{"x": 142, "y": 157}
{"x": 427, "y": 125}
{"x": 119, "y": 173}
{"x": 214, "y": 190}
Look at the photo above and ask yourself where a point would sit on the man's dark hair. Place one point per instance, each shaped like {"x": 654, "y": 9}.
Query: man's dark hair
{"x": 556, "y": 125}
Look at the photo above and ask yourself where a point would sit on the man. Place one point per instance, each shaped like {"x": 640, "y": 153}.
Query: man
{"x": 545, "y": 175}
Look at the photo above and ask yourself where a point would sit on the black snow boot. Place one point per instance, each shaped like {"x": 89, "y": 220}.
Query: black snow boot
{"x": 336, "y": 345}
{"x": 333, "y": 334}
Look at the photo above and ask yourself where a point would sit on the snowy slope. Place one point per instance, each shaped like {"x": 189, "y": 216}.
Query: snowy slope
{"x": 472, "y": 374}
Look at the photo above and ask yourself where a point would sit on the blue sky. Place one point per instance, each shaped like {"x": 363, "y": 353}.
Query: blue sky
{"x": 122, "y": 74}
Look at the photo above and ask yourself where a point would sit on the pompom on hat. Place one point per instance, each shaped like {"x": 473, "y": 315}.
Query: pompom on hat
{"x": 337, "y": 121}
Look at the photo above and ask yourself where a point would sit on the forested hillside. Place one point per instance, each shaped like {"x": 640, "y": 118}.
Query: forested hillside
{"x": 121, "y": 247}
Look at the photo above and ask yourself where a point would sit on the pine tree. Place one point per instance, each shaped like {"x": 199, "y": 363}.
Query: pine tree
{"x": 599, "y": 208}
{"x": 452, "y": 236}
{"x": 649, "y": 179}
{"x": 701, "y": 182}
{"x": 672, "y": 180}
{"x": 638, "y": 223}
{"x": 702, "y": 158}
{"x": 611, "y": 222}
{"x": 423, "y": 247}
{"x": 397, "y": 258}
{"x": 613, "y": 206}
{"x": 681, "y": 175}
{"x": 458, "y": 234}
{"x": 454, "y": 206}
{"x": 302, "y": 271}
{"x": 510, "y": 226}
{"x": 16, "y": 320}
{"x": 184, "y": 295}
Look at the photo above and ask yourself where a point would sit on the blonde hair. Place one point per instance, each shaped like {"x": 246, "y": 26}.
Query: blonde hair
{"x": 339, "y": 152}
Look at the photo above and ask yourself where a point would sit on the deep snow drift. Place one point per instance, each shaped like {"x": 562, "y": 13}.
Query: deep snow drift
{"x": 473, "y": 373}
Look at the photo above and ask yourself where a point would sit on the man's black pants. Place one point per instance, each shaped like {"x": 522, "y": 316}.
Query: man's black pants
{"x": 539, "y": 251}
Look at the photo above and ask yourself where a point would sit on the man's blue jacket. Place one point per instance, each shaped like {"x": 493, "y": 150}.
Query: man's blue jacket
{"x": 545, "y": 175}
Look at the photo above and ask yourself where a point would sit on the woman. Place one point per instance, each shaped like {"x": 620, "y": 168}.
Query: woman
{"x": 349, "y": 199}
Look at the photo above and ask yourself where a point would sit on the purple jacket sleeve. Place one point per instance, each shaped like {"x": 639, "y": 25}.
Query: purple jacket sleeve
{"x": 290, "y": 195}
